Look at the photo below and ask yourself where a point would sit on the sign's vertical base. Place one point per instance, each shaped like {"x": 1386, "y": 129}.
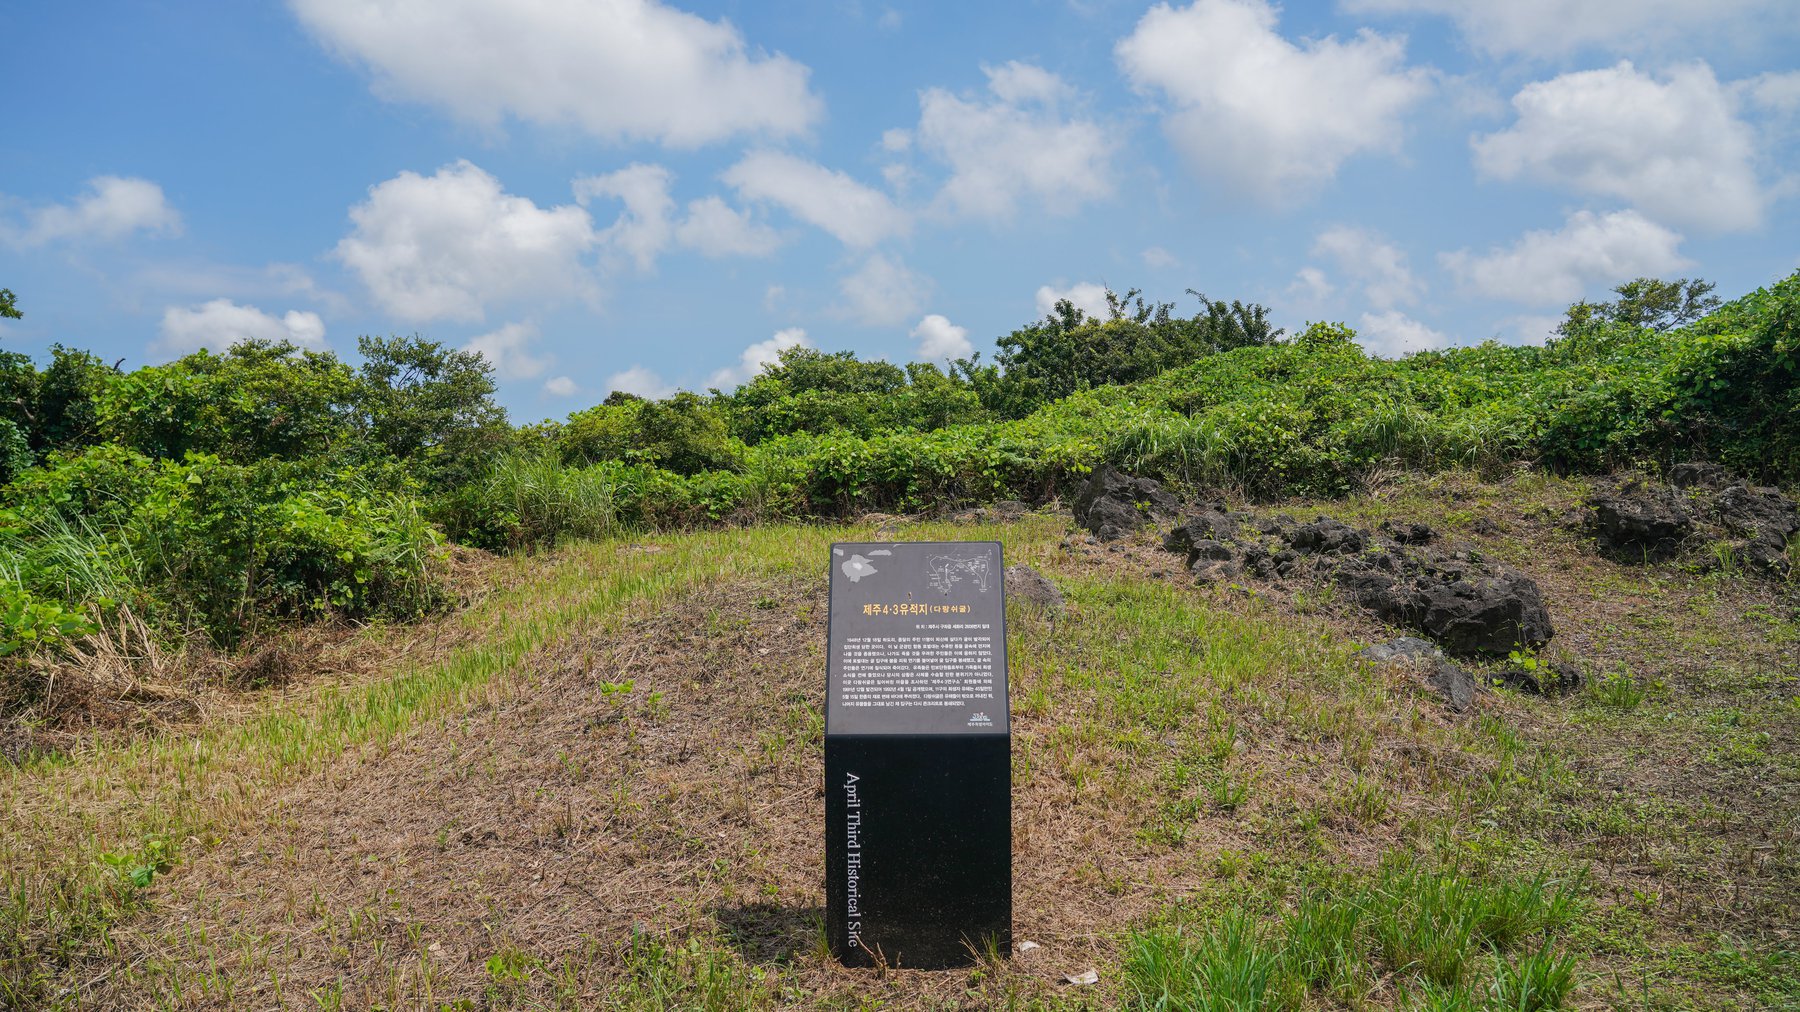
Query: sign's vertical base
{"x": 918, "y": 849}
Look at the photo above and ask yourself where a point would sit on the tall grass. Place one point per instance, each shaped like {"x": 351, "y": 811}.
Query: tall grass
{"x": 547, "y": 501}
{"x": 70, "y": 560}
{"x": 1189, "y": 450}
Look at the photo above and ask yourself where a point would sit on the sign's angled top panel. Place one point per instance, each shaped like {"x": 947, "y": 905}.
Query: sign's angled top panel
{"x": 918, "y": 639}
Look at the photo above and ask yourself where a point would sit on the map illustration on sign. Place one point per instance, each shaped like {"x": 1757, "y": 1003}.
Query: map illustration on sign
{"x": 946, "y": 571}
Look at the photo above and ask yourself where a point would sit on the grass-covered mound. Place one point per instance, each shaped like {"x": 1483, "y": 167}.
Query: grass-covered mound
{"x": 599, "y": 788}
{"x": 207, "y": 501}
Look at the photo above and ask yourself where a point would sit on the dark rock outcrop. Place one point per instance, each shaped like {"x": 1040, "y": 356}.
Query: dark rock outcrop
{"x": 1027, "y": 585}
{"x": 1112, "y": 505}
{"x": 1701, "y": 474}
{"x": 1408, "y": 533}
{"x": 1704, "y": 510}
{"x": 1470, "y": 608}
{"x": 1208, "y": 525}
{"x": 1761, "y": 520}
{"x": 1640, "y": 522}
{"x": 1467, "y": 604}
{"x": 1326, "y": 536}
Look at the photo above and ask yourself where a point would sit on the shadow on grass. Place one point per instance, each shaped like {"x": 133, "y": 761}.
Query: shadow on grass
{"x": 772, "y": 932}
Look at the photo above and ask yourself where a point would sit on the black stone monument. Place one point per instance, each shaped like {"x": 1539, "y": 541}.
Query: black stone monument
{"x": 918, "y": 755}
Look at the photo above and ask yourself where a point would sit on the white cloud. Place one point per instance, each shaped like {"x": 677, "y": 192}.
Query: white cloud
{"x": 619, "y": 69}
{"x": 643, "y": 230}
{"x": 446, "y": 245}
{"x": 1675, "y": 148}
{"x": 113, "y": 208}
{"x": 1393, "y": 333}
{"x": 1018, "y": 145}
{"x": 758, "y": 357}
{"x": 1266, "y": 116}
{"x": 718, "y": 230}
{"x": 1776, "y": 92}
{"x": 508, "y": 350}
{"x": 1559, "y": 27}
{"x": 635, "y": 380}
{"x": 896, "y": 140}
{"x": 940, "y": 339}
{"x": 1158, "y": 257}
{"x": 1544, "y": 267}
{"x": 1311, "y": 284}
{"x": 883, "y": 292}
{"x": 856, "y": 214}
{"x": 221, "y": 323}
{"x": 560, "y": 386}
{"x": 1087, "y": 297}
{"x": 1379, "y": 265}
{"x": 647, "y": 227}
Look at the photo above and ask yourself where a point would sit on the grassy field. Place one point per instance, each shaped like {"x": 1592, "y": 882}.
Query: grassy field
{"x": 599, "y": 786}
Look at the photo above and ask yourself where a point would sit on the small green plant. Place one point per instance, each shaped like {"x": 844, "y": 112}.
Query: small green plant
{"x": 1229, "y": 792}
{"x": 140, "y": 867}
{"x": 1540, "y": 981}
{"x": 30, "y": 625}
{"x": 1620, "y": 690}
{"x": 1722, "y": 558}
{"x": 329, "y": 998}
{"x": 512, "y": 966}
{"x": 1325, "y": 947}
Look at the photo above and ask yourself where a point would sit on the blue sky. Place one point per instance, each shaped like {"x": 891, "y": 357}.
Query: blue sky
{"x": 633, "y": 195}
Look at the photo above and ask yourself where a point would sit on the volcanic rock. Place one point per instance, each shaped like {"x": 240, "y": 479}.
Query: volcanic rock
{"x": 1113, "y": 505}
{"x": 1033, "y": 588}
{"x": 1640, "y": 522}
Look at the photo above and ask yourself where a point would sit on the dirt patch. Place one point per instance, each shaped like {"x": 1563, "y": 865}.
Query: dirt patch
{"x": 657, "y": 780}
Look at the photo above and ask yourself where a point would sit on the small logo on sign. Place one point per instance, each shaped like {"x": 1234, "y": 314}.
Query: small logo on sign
{"x": 980, "y": 720}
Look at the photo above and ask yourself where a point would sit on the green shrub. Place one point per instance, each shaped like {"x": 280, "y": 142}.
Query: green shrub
{"x": 684, "y": 434}
{"x": 29, "y": 624}
{"x": 228, "y": 543}
{"x": 254, "y": 401}
{"x": 15, "y": 451}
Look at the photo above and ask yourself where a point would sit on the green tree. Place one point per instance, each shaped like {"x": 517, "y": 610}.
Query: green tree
{"x": 430, "y": 406}
{"x": 687, "y": 435}
{"x": 9, "y": 305}
{"x": 606, "y": 431}
{"x": 798, "y": 370}
{"x": 1068, "y": 350}
{"x": 1645, "y": 302}
{"x": 807, "y": 390}
{"x": 66, "y": 413}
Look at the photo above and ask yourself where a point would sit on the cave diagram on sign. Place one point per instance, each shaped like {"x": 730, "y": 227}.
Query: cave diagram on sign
{"x": 946, "y": 571}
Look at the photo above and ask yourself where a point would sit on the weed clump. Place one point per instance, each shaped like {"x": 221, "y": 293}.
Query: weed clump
{"x": 1448, "y": 939}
